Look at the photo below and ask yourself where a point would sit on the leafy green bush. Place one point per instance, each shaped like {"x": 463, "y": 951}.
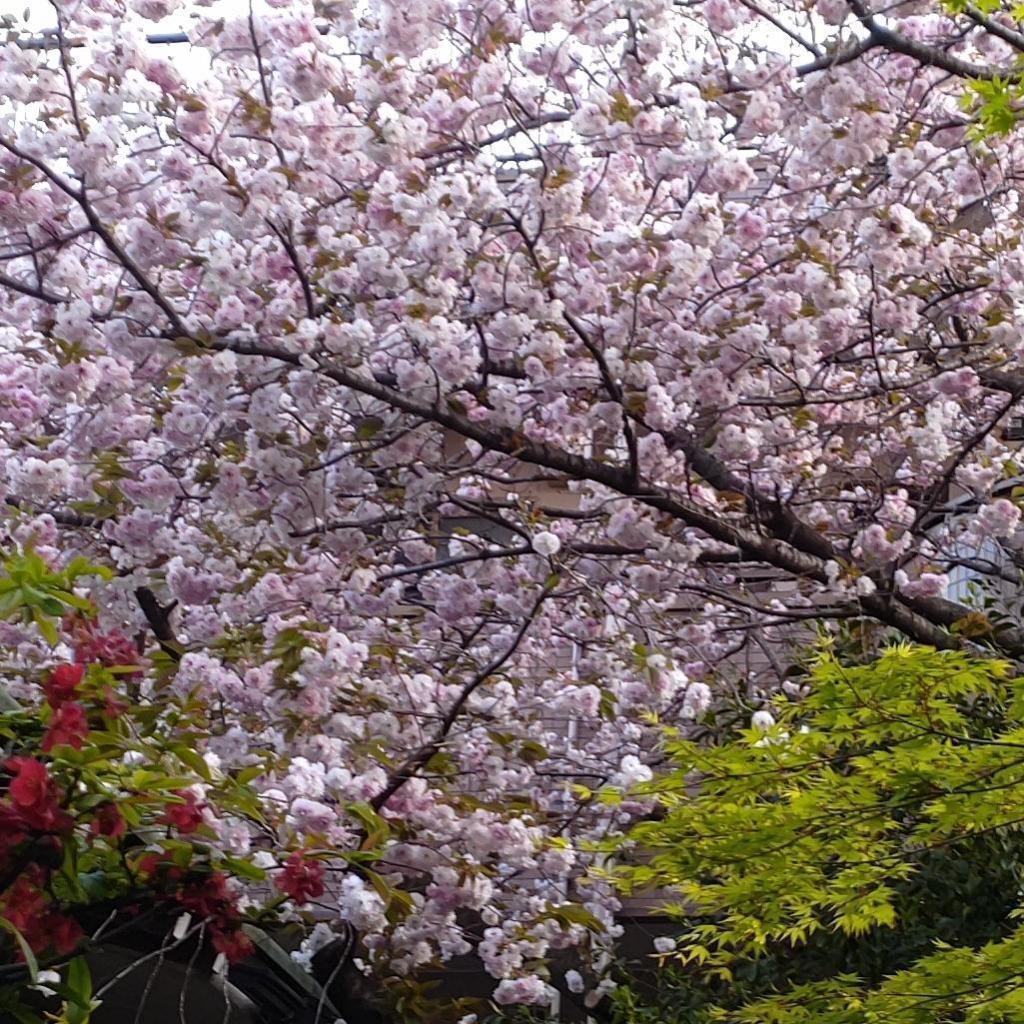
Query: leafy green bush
{"x": 105, "y": 803}
{"x": 859, "y": 861}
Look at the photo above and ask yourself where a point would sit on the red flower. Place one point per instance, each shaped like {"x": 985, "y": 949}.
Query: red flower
{"x": 68, "y": 727}
{"x": 35, "y": 796}
{"x": 149, "y": 863}
{"x": 186, "y": 817}
{"x": 108, "y": 821}
{"x": 110, "y": 649}
{"x": 112, "y": 707}
{"x": 53, "y": 931}
{"x": 60, "y": 687}
{"x": 208, "y": 898}
{"x": 25, "y": 905}
{"x": 154, "y": 864}
{"x": 31, "y": 783}
{"x": 24, "y": 902}
{"x": 12, "y": 828}
{"x": 233, "y": 943}
{"x": 301, "y": 879}
{"x": 60, "y": 933}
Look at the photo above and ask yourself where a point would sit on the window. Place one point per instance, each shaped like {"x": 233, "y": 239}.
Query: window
{"x": 1014, "y": 429}
{"x": 989, "y": 569}
{"x": 974, "y": 569}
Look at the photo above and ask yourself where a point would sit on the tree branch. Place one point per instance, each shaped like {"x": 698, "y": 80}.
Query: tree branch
{"x": 62, "y": 516}
{"x": 159, "y": 618}
{"x": 409, "y": 769}
{"x": 930, "y": 56}
{"x": 836, "y": 59}
{"x": 924, "y": 620}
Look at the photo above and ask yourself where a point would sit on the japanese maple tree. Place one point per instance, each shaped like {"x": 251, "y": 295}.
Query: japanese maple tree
{"x": 857, "y": 861}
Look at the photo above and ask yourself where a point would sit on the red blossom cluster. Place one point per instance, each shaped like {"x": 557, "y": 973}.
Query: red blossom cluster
{"x": 28, "y": 908}
{"x": 211, "y": 900}
{"x": 187, "y": 816}
{"x": 33, "y": 803}
{"x": 35, "y": 824}
{"x": 111, "y": 648}
{"x": 108, "y": 821}
{"x": 301, "y": 879}
{"x": 32, "y": 811}
{"x": 206, "y": 897}
{"x": 62, "y": 683}
{"x": 43, "y": 816}
{"x": 69, "y": 725}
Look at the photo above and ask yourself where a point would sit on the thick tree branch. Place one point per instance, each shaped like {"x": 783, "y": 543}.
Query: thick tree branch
{"x": 62, "y": 516}
{"x": 1008, "y": 35}
{"x": 930, "y": 56}
{"x": 159, "y": 618}
{"x": 881, "y": 37}
{"x": 33, "y": 291}
{"x": 926, "y": 621}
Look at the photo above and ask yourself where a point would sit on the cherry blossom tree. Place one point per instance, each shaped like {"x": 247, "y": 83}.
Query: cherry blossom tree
{"x": 455, "y": 388}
